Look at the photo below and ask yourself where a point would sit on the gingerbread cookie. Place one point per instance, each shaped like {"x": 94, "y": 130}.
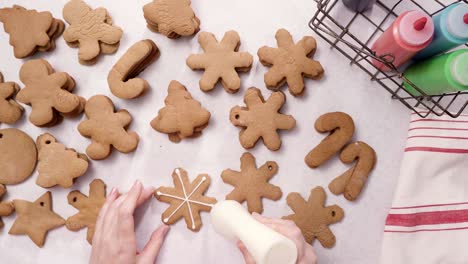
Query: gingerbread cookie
{"x": 290, "y": 62}
{"x": 221, "y": 61}
{"x": 313, "y": 218}
{"x": 10, "y": 110}
{"x": 18, "y": 156}
{"x": 35, "y": 219}
{"x": 186, "y": 199}
{"x": 30, "y": 30}
{"x": 182, "y": 116}
{"x": 6, "y": 208}
{"x": 89, "y": 208}
{"x": 251, "y": 184}
{"x": 341, "y": 128}
{"x": 261, "y": 119}
{"x": 57, "y": 164}
{"x": 121, "y": 77}
{"x": 352, "y": 181}
{"x": 88, "y": 28}
{"x": 106, "y": 128}
{"x": 172, "y": 18}
{"x": 48, "y": 93}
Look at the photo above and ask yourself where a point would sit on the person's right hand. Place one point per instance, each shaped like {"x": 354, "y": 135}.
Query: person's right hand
{"x": 305, "y": 252}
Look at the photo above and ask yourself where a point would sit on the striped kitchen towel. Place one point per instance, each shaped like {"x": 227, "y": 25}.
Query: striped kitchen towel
{"x": 428, "y": 221}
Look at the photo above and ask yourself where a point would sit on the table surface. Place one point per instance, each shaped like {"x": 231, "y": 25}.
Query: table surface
{"x": 380, "y": 121}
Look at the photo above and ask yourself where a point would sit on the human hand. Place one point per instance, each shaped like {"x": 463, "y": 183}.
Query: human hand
{"x": 305, "y": 252}
{"x": 114, "y": 239}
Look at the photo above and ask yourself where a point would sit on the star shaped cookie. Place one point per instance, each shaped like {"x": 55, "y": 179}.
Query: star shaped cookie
{"x": 35, "y": 219}
{"x": 6, "y": 208}
{"x": 10, "y": 110}
{"x": 221, "y": 61}
{"x": 251, "y": 183}
{"x": 89, "y": 208}
{"x": 313, "y": 218}
{"x": 261, "y": 119}
{"x": 186, "y": 199}
{"x": 290, "y": 62}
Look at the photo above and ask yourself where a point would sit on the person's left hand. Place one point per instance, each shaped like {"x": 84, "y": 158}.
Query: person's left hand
{"x": 114, "y": 239}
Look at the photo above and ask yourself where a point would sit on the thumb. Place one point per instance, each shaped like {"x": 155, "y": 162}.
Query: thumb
{"x": 151, "y": 251}
{"x": 245, "y": 252}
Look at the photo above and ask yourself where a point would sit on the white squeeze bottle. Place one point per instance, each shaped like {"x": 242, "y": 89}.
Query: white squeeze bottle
{"x": 266, "y": 246}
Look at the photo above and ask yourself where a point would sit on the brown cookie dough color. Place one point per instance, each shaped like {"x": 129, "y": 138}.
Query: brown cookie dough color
{"x": 290, "y": 62}
{"x": 89, "y": 207}
{"x": 18, "y": 156}
{"x": 221, "y": 61}
{"x": 186, "y": 199}
{"x": 35, "y": 219}
{"x": 261, "y": 119}
{"x": 251, "y": 183}
{"x": 313, "y": 218}
{"x": 10, "y": 110}
{"x": 6, "y": 208}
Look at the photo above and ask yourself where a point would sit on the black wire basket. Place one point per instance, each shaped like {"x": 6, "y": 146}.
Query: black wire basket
{"x": 343, "y": 34}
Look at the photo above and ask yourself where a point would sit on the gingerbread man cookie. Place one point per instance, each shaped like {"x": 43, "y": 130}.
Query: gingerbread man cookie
{"x": 313, "y": 218}
{"x": 89, "y": 208}
{"x": 341, "y": 128}
{"x": 88, "y": 28}
{"x": 221, "y": 61}
{"x": 47, "y": 92}
{"x": 57, "y": 164}
{"x": 6, "y": 208}
{"x": 30, "y": 30}
{"x": 186, "y": 199}
{"x": 35, "y": 219}
{"x": 10, "y": 110}
{"x": 121, "y": 78}
{"x": 290, "y": 62}
{"x": 182, "y": 116}
{"x": 351, "y": 182}
{"x": 261, "y": 119}
{"x": 172, "y": 18}
{"x": 251, "y": 183}
{"x": 106, "y": 128}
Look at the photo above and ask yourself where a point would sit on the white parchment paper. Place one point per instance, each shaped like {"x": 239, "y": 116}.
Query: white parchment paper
{"x": 380, "y": 122}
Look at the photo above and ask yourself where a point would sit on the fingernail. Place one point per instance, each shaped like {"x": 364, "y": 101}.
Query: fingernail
{"x": 113, "y": 191}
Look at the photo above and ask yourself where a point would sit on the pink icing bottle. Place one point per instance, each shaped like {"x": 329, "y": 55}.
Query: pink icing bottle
{"x": 411, "y": 32}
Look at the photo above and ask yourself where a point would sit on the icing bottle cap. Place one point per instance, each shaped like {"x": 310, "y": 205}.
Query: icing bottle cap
{"x": 459, "y": 68}
{"x": 457, "y": 21}
{"x": 416, "y": 28}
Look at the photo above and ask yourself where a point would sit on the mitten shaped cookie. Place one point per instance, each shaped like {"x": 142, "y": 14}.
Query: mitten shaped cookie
{"x": 10, "y": 110}
{"x": 221, "y": 61}
{"x": 106, "y": 128}
{"x": 313, "y": 218}
{"x": 88, "y": 28}
{"x": 352, "y": 181}
{"x": 35, "y": 219}
{"x": 186, "y": 199}
{"x": 47, "y": 92}
{"x": 182, "y": 116}
{"x": 89, "y": 208}
{"x": 341, "y": 128}
{"x": 18, "y": 156}
{"x": 261, "y": 119}
{"x": 172, "y": 18}
{"x": 6, "y": 208}
{"x": 121, "y": 78}
{"x": 30, "y": 30}
{"x": 57, "y": 164}
{"x": 251, "y": 183}
{"x": 290, "y": 62}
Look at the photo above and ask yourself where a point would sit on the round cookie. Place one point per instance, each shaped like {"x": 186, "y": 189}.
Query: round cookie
{"x": 18, "y": 156}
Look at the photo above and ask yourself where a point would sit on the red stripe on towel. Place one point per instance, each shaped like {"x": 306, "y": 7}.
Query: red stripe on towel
{"x": 439, "y": 120}
{"x": 425, "y": 230}
{"x": 443, "y": 137}
{"x": 428, "y": 218}
{"x": 440, "y": 150}
{"x": 438, "y": 128}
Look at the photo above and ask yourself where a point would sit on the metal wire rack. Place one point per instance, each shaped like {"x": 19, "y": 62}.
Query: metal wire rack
{"x": 354, "y": 42}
